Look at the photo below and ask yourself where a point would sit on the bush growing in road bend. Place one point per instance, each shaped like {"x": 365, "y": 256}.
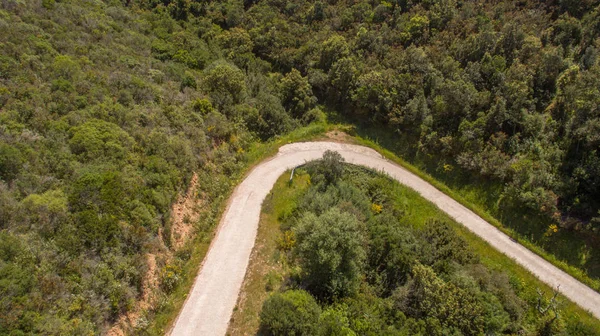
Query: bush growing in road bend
{"x": 293, "y": 313}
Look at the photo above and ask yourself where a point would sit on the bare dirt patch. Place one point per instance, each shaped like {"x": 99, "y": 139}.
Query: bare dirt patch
{"x": 184, "y": 214}
{"x": 338, "y": 136}
{"x": 147, "y": 300}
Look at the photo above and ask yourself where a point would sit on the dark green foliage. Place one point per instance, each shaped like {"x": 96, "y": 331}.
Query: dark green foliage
{"x": 330, "y": 248}
{"x": 445, "y": 245}
{"x": 393, "y": 249}
{"x": 429, "y": 296}
{"x": 329, "y": 169}
{"x": 294, "y": 312}
{"x": 225, "y": 82}
{"x": 188, "y": 81}
{"x": 297, "y": 94}
{"x": 11, "y": 161}
{"x": 267, "y": 116}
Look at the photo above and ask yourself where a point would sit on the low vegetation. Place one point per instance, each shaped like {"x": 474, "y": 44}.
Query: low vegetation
{"x": 360, "y": 254}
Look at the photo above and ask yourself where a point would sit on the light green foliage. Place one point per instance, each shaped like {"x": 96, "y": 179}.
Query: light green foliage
{"x": 170, "y": 277}
{"x": 237, "y": 42}
{"x": 98, "y": 139}
{"x": 378, "y": 92}
{"x": 342, "y": 76}
{"x": 416, "y": 29}
{"x": 342, "y": 194}
{"x": 225, "y": 82}
{"x": 334, "y": 321}
{"x": 47, "y": 211}
{"x": 332, "y": 50}
{"x": 65, "y": 67}
{"x": 293, "y": 312}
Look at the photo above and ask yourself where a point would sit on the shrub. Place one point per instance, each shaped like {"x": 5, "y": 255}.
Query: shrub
{"x": 170, "y": 278}
{"x": 445, "y": 245}
{"x": 225, "y": 82}
{"x": 297, "y": 95}
{"x": 331, "y": 253}
{"x": 429, "y": 296}
{"x": 10, "y": 162}
{"x": 393, "y": 250}
{"x": 329, "y": 169}
{"x": 293, "y": 313}
{"x": 335, "y": 322}
{"x": 100, "y": 140}
{"x": 188, "y": 81}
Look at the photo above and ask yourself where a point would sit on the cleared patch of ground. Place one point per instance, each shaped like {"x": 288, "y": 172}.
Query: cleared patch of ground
{"x": 184, "y": 213}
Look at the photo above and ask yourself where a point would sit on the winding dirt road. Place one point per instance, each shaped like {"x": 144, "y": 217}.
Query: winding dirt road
{"x": 210, "y": 303}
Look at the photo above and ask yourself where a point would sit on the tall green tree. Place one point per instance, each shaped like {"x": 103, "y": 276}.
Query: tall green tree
{"x": 331, "y": 251}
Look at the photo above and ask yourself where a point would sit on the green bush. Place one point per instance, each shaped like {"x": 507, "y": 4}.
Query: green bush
{"x": 393, "y": 249}
{"x": 431, "y": 297}
{"x": 11, "y": 161}
{"x": 225, "y": 82}
{"x": 444, "y": 245}
{"x": 328, "y": 169}
{"x": 293, "y": 313}
{"x": 335, "y": 322}
{"x": 100, "y": 140}
{"x": 331, "y": 251}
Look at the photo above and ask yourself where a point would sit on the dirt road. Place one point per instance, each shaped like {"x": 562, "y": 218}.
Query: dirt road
{"x": 210, "y": 303}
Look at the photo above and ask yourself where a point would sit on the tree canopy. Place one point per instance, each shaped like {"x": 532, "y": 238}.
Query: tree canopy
{"x": 108, "y": 108}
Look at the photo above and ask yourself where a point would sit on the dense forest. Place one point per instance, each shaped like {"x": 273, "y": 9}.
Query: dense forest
{"x": 358, "y": 261}
{"x": 508, "y": 90}
{"x": 108, "y": 107}
{"x": 105, "y": 113}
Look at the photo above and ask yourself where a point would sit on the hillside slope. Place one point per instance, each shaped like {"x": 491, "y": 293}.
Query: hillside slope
{"x": 107, "y": 108}
{"x": 105, "y": 113}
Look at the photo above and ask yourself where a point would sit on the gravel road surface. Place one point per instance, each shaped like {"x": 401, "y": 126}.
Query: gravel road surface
{"x": 210, "y": 303}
